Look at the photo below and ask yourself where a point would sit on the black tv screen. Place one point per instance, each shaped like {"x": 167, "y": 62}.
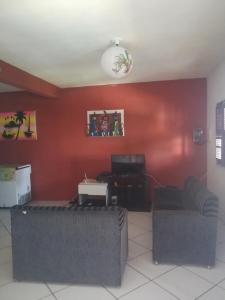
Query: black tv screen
{"x": 128, "y": 164}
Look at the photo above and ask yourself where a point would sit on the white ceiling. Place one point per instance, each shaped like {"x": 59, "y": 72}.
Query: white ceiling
{"x": 62, "y": 41}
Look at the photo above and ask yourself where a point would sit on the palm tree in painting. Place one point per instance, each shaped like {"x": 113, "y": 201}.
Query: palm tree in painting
{"x": 20, "y": 117}
{"x": 28, "y": 133}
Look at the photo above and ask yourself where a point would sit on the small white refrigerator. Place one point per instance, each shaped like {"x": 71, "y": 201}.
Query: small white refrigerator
{"x": 15, "y": 185}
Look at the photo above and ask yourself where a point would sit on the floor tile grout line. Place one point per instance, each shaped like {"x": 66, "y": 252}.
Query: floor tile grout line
{"x": 51, "y": 291}
{"x": 6, "y": 240}
{"x": 6, "y": 262}
{"x": 139, "y": 272}
{"x": 166, "y": 290}
{"x": 44, "y": 297}
{"x": 209, "y": 281}
{"x": 140, "y": 227}
{"x": 221, "y": 219}
{"x": 136, "y": 218}
{"x": 4, "y": 284}
{"x": 6, "y": 233}
{"x": 136, "y": 236}
{"x": 212, "y": 287}
{"x": 110, "y": 292}
{"x": 143, "y": 233}
{"x": 173, "y": 268}
{"x": 144, "y": 248}
{"x": 219, "y": 259}
{"x": 60, "y": 289}
{"x": 139, "y": 234}
{"x": 145, "y": 228}
{"x": 139, "y": 244}
{"x": 152, "y": 279}
{"x": 220, "y": 242}
{"x": 213, "y": 284}
{"x": 9, "y": 246}
{"x": 5, "y": 227}
{"x": 133, "y": 258}
{"x": 64, "y": 288}
{"x": 134, "y": 289}
{"x": 6, "y": 247}
{"x": 146, "y": 214}
{"x": 223, "y": 280}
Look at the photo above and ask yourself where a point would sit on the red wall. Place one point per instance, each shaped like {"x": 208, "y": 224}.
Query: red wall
{"x": 159, "y": 119}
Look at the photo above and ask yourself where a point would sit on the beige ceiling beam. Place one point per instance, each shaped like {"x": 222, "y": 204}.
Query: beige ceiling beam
{"x": 16, "y": 77}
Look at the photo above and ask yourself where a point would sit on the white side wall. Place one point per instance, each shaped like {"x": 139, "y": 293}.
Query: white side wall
{"x": 216, "y": 173}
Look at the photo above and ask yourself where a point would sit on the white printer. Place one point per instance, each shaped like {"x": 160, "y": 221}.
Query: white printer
{"x": 15, "y": 185}
{"x": 90, "y": 187}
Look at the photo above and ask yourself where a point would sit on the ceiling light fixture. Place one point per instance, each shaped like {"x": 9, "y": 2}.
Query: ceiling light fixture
{"x": 116, "y": 61}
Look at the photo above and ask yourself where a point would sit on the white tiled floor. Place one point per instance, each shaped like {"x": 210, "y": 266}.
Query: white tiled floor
{"x": 142, "y": 279}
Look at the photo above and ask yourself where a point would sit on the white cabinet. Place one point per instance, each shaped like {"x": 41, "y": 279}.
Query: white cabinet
{"x": 15, "y": 185}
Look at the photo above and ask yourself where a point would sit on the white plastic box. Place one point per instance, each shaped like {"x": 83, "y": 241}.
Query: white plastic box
{"x": 15, "y": 185}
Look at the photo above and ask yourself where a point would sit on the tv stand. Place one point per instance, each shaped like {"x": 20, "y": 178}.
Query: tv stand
{"x": 129, "y": 183}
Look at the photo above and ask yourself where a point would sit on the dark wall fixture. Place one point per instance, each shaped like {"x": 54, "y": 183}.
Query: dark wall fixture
{"x": 220, "y": 133}
{"x": 198, "y": 136}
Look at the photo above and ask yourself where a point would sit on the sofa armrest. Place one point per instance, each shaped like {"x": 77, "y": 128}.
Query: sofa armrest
{"x": 184, "y": 222}
{"x": 182, "y": 216}
{"x": 184, "y": 237}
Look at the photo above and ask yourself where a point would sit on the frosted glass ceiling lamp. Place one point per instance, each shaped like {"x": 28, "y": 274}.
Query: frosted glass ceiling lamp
{"x": 117, "y": 61}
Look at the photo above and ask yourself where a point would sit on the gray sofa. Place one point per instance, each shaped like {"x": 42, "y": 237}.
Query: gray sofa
{"x": 69, "y": 244}
{"x": 185, "y": 225}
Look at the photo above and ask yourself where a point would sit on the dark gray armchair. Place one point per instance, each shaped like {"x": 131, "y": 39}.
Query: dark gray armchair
{"x": 185, "y": 225}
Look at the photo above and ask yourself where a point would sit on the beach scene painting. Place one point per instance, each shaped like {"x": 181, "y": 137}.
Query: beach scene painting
{"x": 18, "y": 126}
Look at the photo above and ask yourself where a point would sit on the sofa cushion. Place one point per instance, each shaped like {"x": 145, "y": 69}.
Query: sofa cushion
{"x": 168, "y": 198}
{"x": 188, "y": 203}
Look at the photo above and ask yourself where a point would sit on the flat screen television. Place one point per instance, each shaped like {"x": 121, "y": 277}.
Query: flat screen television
{"x": 128, "y": 163}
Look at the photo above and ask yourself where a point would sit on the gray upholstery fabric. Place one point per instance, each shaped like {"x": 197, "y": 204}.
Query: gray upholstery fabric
{"x": 69, "y": 245}
{"x": 195, "y": 193}
{"x": 207, "y": 203}
{"x": 185, "y": 225}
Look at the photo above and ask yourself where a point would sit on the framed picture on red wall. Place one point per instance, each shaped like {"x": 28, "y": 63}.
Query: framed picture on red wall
{"x": 105, "y": 123}
{"x": 18, "y": 126}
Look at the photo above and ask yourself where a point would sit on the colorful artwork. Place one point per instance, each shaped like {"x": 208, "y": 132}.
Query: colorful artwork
{"x": 105, "y": 122}
{"x": 20, "y": 125}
